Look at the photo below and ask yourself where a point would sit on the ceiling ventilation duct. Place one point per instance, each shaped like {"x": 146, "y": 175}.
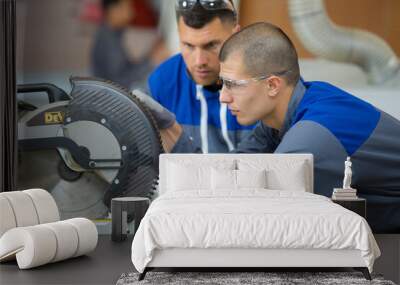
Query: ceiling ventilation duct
{"x": 325, "y": 39}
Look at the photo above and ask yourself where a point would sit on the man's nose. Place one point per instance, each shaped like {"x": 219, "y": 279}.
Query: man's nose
{"x": 224, "y": 96}
{"x": 201, "y": 58}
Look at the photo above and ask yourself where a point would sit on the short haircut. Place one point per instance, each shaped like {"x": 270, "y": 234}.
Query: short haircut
{"x": 265, "y": 50}
{"x": 108, "y": 3}
{"x": 198, "y": 17}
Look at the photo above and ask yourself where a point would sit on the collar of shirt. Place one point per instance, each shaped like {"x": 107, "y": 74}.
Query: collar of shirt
{"x": 294, "y": 102}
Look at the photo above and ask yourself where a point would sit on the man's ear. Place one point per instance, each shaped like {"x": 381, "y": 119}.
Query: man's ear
{"x": 236, "y": 28}
{"x": 274, "y": 85}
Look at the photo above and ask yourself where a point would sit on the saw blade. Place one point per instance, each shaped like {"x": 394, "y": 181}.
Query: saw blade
{"x": 129, "y": 122}
{"x": 80, "y": 198}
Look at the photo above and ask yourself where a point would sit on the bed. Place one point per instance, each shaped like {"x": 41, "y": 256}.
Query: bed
{"x": 247, "y": 210}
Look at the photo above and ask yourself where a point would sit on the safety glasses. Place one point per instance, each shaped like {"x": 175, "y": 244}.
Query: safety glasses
{"x": 233, "y": 84}
{"x": 206, "y": 4}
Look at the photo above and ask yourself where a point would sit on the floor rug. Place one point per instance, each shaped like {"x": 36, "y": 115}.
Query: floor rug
{"x": 244, "y": 278}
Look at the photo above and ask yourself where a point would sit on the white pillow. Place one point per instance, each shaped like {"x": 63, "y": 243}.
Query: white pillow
{"x": 251, "y": 178}
{"x": 184, "y": 176}
{"x": 237, "y": 179}
{"x": 223, "y": 179}
{"x": 292, "y": 178}
{"x": 280, "y": 175}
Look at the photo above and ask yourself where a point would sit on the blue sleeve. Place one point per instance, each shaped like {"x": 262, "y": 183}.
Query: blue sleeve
{"x": 185, "y": 145}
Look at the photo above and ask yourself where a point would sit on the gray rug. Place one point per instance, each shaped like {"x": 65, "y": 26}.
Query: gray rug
{"x": 242, "y": 278}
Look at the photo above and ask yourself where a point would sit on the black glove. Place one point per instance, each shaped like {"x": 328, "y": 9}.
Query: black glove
{"x": 163, "y": 116}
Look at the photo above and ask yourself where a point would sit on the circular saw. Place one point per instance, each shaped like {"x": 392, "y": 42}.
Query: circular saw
{"x": 87, "y": 147}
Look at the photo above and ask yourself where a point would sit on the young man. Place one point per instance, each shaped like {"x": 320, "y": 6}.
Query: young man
{"x": 261, "y": 82}
{"x": 187, "y": 84}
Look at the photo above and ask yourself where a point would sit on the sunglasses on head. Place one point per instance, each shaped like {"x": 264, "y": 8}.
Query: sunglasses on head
{"x": 206, "y": 4}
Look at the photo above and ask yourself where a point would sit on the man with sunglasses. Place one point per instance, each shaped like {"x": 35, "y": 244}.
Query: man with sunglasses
{"x": 187, "y": 84}
{"x": 261, "y": 83}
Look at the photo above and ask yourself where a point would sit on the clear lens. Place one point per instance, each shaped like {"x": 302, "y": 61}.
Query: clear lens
{"x": 229, "y": 83}
{"x": 235, "y": 84}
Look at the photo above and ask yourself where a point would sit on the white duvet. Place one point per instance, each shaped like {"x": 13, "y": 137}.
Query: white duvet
{"x": 250, "y": 219}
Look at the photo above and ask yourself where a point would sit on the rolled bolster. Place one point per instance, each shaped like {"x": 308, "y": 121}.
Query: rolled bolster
{"x": 67, "y": 239}
{"x": 45, "y": 205}
{"x": 26, "y": 208}
{"x": 23, "y": 208}
{"x": 7, "y": 217}
{"x": 31, "y": 246}
{"x": 40, "y": 244}
{"x": 87, "y": 233}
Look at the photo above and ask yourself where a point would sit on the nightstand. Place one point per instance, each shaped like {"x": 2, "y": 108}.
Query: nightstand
{"x": 357, "y": 205}
{"x": 123, "y": 211}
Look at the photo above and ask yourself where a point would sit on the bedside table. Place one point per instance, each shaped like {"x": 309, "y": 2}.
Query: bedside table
{"x": 123, "y": 211}
{"x": 357, "y": 205}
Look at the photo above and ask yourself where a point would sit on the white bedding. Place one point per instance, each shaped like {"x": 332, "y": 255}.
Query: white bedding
{"x": 252, "y": 218}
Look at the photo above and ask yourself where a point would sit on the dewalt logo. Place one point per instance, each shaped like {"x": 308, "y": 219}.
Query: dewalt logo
{"x": 53, "y": 117}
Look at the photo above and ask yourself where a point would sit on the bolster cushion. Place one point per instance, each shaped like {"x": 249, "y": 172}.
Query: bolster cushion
{"x": 26, "y": 208}
{"x": 40, "y": 244}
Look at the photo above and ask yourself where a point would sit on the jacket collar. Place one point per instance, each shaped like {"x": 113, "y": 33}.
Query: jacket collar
{"x": 297, "y": 96}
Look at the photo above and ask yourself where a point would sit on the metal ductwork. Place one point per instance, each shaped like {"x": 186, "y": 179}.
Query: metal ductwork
{"x": 325, "y": 39}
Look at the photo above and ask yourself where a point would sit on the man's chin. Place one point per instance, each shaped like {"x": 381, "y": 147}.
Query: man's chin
{"x": 242, "y": 121}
